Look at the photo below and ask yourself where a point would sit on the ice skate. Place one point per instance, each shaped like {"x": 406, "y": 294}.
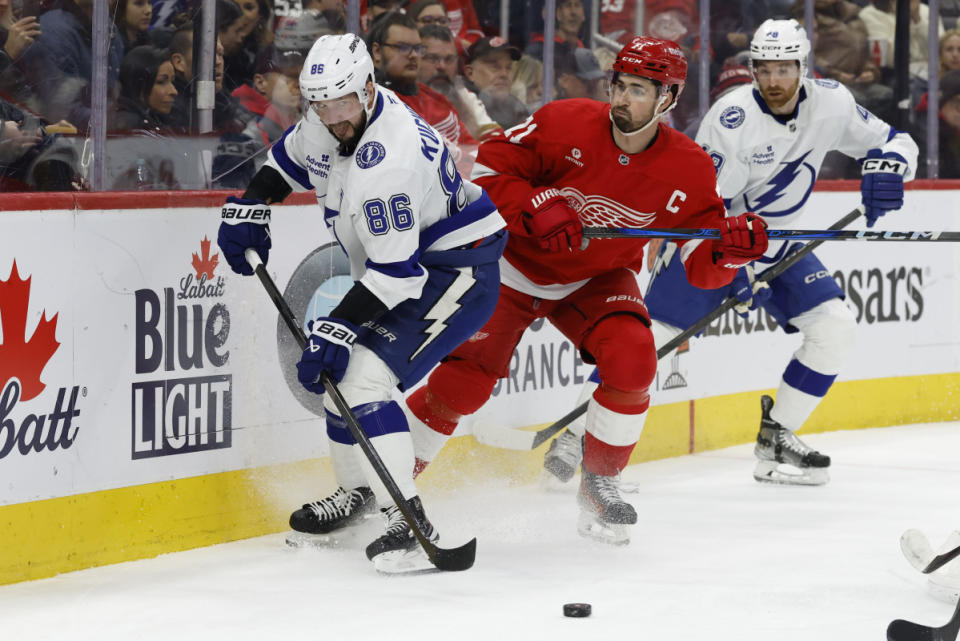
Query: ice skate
{"x": 777, "y": 446}
{"x": 604, "y": 515}
{"x": 318, "y": 523}
{"x": 564, "y": 456}
{"x": 397, "y": 551}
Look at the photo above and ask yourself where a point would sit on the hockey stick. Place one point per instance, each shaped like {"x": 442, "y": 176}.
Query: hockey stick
{"x": 775, "y": 234}
{"x": 495, "y": 435}
{"x": 901, "y": 630}
{"x": 916, "y": 547}
{"x": 450, "y": 560}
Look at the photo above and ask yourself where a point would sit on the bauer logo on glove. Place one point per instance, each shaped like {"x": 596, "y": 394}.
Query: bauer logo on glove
{"x": 333, "y": 332}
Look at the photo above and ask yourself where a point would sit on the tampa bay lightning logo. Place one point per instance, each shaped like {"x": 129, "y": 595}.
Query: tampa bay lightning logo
{"x": 788, "y": 189}
{"x": 370, "y": 154}
{"x": 732, "y": 117}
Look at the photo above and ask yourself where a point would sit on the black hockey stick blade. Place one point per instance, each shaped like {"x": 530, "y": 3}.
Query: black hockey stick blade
{"x": 450, "y": 560}
{"x": 900, "y": 630}
{"x": 508, "y": 438}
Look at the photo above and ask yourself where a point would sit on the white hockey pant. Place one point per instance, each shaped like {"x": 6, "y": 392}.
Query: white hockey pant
{"x": 829, "y": 331}
{"x": 369, "y": 380}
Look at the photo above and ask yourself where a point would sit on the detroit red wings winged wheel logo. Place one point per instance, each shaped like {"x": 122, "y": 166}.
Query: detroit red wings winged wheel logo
{"x": 600, "y": 211}
{"x": 23, "y": 357}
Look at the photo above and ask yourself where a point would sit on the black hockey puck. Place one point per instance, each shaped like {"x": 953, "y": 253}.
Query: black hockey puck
{"x": 577, "y": 610}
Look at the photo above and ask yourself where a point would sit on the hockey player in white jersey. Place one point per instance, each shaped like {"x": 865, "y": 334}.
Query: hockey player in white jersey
{"x": 767, "y": 142}
{"x": 423, "y": 246}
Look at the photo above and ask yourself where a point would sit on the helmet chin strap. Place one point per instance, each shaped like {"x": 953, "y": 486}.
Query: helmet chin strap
{"x": 653, "y": 119}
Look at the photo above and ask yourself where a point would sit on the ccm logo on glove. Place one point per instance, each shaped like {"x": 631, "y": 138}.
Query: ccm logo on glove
{"x": 884, "y": 165}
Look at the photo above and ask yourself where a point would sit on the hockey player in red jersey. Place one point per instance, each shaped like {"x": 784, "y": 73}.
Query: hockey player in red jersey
{"x": 576, "y": 163}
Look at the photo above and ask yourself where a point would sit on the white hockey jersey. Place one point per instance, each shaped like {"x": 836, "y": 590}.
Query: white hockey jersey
{"x": 399, "y": 195}
{"x": 768, "y": 166}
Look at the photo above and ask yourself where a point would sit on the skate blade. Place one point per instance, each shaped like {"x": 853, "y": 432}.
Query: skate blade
{"x": 590, "y": 527}
{"x": 349, "y": 535}
{"x": 784, "y": 474}
{"x": 330, "y": 540}
{"x": 403, "y": 562}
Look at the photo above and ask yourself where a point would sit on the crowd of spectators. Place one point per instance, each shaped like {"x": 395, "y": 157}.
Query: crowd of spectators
{"x": 447, "y": 59}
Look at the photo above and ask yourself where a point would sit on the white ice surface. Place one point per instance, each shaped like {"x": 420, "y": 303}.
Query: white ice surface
{"x": 714, "y": 556}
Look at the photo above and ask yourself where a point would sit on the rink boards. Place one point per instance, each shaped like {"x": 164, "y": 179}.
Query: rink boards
{"x": 148, "y": 402}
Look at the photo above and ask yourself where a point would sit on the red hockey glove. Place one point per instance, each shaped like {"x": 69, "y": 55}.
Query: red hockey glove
{"x": 550, "y": 219}
{"x": 743, "y": 239}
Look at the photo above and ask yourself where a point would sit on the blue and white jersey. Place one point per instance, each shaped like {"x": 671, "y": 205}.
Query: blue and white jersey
{"x": 768, "y": 165}
{"x": 396, "y": 198}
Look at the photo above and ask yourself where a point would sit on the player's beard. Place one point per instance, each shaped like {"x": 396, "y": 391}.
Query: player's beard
{"x": 349, "y": 144}
{"x": 623, "y": 121}
{"x": 781, "y": 96}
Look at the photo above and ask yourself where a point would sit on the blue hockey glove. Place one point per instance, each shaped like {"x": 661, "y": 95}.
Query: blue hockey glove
{"x": 244, "y": 223}
{"x": 882, "y": 183}
{"x": 751, "y": 293}
{"x": 328, "y": 350}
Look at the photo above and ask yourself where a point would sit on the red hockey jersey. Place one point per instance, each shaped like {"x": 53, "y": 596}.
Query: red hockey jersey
{"x": 568, "y": 145}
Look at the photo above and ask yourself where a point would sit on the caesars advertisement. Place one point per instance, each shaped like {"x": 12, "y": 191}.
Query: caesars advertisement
{"x": 131, "y": 354}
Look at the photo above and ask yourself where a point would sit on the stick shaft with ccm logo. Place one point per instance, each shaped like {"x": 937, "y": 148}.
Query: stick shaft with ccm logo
{"x": 777, "y": 234}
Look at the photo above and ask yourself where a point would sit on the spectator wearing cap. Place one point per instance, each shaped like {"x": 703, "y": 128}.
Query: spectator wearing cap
{"x": 395, "y": 46}
{"x": 578, "y": 74}
{"x": 274, "y": 95}
{"x": 490, "y": 72}
{"x": 949, "y": 134}
{"x": 438, "y": 70}
{"x": 570, "y": 19}
{"x": 731, "y": 76}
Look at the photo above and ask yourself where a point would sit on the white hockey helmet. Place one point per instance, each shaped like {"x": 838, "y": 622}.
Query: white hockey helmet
{"x": 337, "y": 66}
{"x": 780, "y": 40}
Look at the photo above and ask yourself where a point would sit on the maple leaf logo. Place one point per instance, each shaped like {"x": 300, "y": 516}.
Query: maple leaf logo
{"x": 204, "y": 264}
{"x": 22, "y": 358}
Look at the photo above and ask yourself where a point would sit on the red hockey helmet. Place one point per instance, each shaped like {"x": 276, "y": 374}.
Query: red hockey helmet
{"x": 653, "y": 58}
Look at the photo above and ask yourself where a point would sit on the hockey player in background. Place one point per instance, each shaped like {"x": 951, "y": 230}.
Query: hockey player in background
{"x": 423, "y": 246}
{"x": 767, "y": 142}
{"x": 581, "y": 162}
